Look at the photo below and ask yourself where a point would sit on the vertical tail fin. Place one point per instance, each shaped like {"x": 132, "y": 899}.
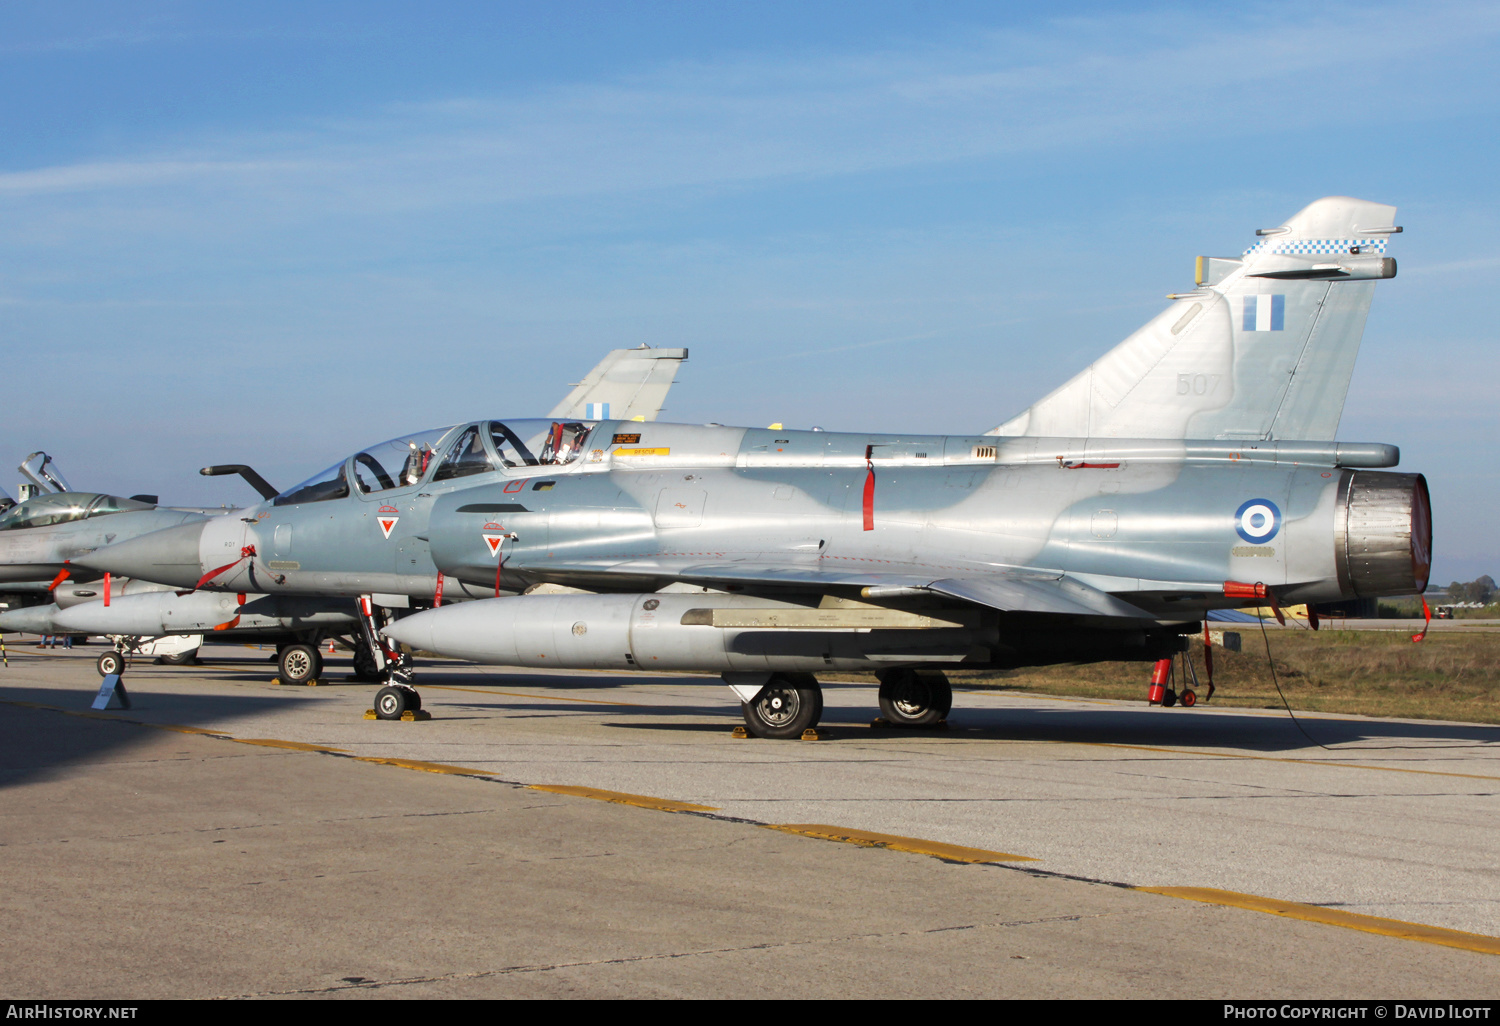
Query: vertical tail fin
{"x": 1264, "y": 347}
{"x": 628, "y": 384}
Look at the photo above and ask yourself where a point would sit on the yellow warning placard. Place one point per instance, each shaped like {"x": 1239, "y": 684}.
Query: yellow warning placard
{"x": 643, "y": 452}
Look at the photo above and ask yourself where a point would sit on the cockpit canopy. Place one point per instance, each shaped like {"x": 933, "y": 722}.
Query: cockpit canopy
{"x": 443, "y": 454}
{"x": 65, "y": 507}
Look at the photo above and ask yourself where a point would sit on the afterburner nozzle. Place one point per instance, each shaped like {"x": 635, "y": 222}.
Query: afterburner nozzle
{"x": 166, "y": 557}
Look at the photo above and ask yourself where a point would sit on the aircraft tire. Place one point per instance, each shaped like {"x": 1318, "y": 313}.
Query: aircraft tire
{"x": 915, "y": 698}
{"x": 364, "y": 662}
{"x": 299, "y": 664}
{"x": 110, "y": 662}
{"x": 391, "y": 702}
{"x": 181, "y": 658}
{"x": 785, "y": 707}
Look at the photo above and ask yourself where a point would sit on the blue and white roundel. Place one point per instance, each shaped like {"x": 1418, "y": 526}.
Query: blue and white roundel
{"x": 1257, "y": 521}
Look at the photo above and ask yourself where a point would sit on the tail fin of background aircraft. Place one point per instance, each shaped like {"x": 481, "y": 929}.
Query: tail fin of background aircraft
{"x": 1263, "y": 348}
{"x": 628, "y": 384}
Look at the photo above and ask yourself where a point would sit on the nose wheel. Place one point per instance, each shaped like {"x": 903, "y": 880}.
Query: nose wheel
{"x": 393, "y": 700}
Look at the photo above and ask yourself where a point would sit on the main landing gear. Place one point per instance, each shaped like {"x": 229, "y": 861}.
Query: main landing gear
{"x": 299, "y": 664}
{"x": 914, "y": 698}
{"x": 788, "y": 705}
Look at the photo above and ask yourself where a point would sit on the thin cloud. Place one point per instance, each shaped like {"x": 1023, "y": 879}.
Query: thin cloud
{"x": 1075, "y": 85}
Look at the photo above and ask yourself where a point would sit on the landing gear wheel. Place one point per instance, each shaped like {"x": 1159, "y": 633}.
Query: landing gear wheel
{"x": 1169, "y": 699}
{"x": 364, "y": 663}
{"x": 785, "y": 707}
{"x": 1189, "y": 698}
{"x": 181, "y": 658}
{"x": 914, "y": 698}
{"x": 391, "y": 702}
{"x": 110, "y": 662}
{"x": 299, "y": 664}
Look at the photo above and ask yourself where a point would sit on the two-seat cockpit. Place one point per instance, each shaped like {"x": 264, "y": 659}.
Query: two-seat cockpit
{"x": 444, "y": 454}
{"x": 65, "y": 507}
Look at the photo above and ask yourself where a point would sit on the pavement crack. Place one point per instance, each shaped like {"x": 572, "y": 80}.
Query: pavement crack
{"x": 348, "y": 983}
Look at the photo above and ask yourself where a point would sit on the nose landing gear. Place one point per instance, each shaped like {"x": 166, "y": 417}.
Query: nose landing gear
{"x": 398, "y": 702}
{"x": 399, "y": 699}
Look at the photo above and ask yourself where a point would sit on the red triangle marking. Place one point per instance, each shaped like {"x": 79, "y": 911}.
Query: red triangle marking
{"x": 494, "y": 541}
{"x": 387, "y": 523}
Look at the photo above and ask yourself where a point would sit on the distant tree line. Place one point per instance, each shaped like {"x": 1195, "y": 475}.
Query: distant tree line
{"x": 1481, "y": 590}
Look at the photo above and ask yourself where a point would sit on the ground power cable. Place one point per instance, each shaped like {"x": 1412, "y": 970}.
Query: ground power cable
{"x": 1271, "y": 663}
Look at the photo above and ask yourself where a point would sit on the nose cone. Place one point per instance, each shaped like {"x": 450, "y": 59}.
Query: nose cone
{"x": 414, "y": 630}
{"x": 166, "y": 557}
{"x": 29, "y": 620}
{"x": 483, "y": 631}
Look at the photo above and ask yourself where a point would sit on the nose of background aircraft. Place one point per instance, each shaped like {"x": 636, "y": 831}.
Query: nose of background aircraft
{"x": 166, "y": 557}
{"x": 29, "y": 620}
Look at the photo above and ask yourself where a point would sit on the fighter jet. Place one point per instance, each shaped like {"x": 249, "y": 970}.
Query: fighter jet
{"x": 770, "y": 555}
{"x": 630, "y": 383}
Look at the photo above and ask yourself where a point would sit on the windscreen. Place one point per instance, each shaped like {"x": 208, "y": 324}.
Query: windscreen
{"x": 328, "y": 484}
{"x": 46, "y": 510}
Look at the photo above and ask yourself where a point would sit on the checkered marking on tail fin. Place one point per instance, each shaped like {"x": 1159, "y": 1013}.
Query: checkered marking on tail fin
{"x": 1317, "y": 247}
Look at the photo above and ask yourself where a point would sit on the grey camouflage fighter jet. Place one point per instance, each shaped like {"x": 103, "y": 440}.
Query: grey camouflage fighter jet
{"x": 628, "y": 383}
{"x": 1190, "y": 468}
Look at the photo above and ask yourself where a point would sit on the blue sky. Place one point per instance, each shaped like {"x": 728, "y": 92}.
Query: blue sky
{"x": 274, "y": 233}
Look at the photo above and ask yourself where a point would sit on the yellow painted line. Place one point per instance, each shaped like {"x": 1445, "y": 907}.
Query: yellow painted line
{"x": 1272, "y": 758}
{"x": 271, "y": 742}
{"x": 915, "y": 845}
{"x": 186, "y": 730}
{"x": 518, "y": 694}
{"x": 643, "y": 801}
{"x": 417, "y": 764}
{"x": 1335, "y": 917}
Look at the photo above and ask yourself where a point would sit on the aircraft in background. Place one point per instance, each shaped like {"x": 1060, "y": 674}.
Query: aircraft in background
{"x": 1103, "y": 523}
{"x": 633, "y": 383}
